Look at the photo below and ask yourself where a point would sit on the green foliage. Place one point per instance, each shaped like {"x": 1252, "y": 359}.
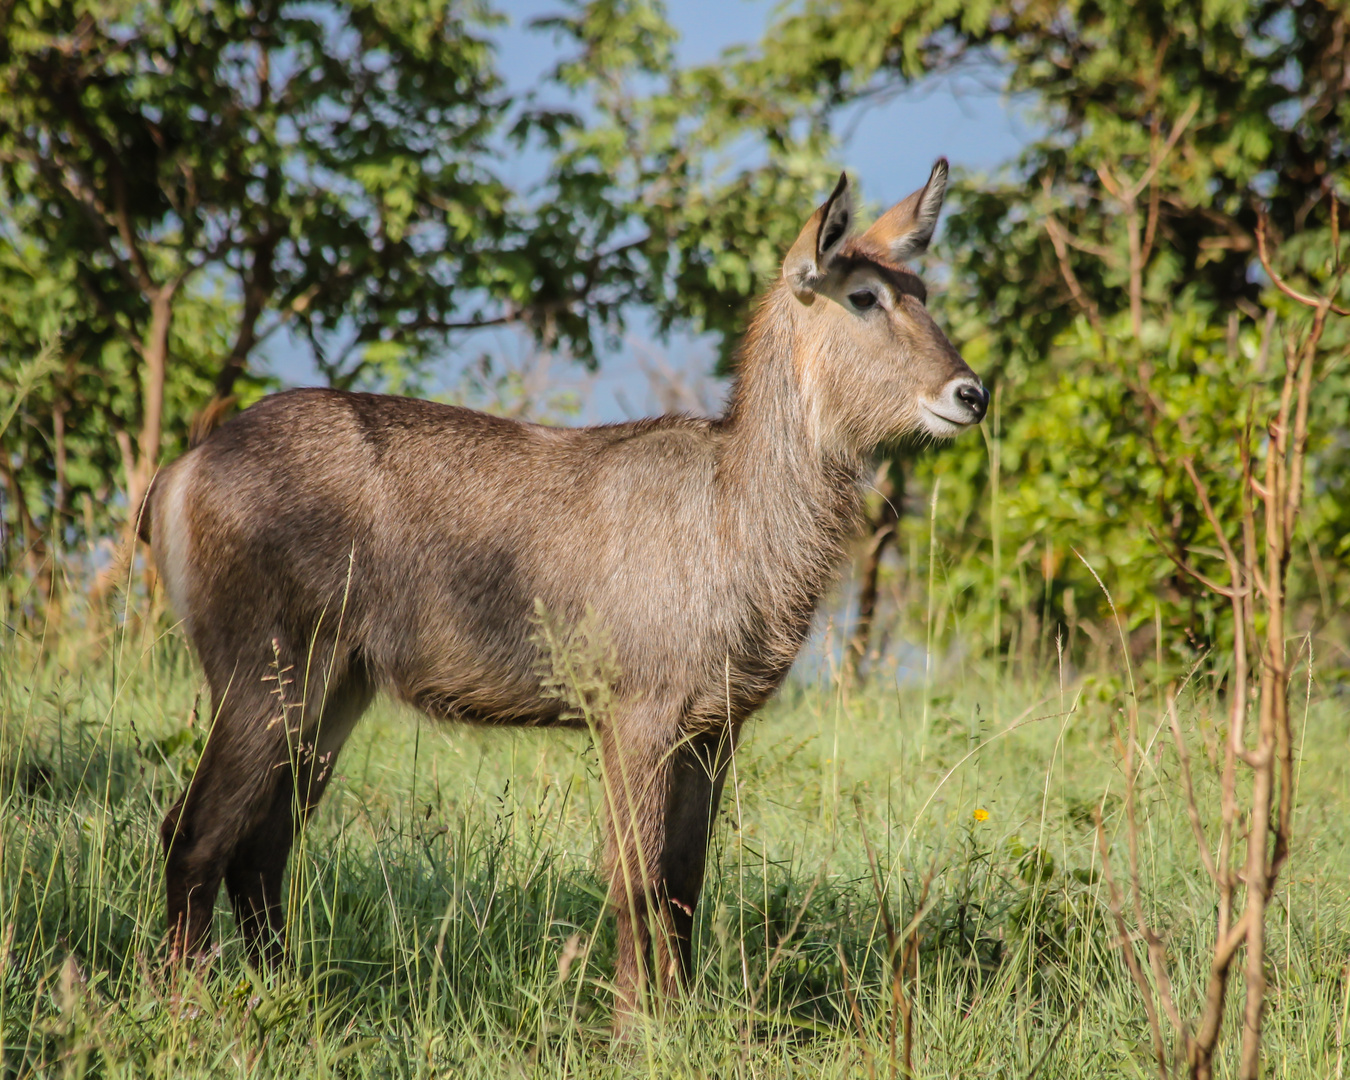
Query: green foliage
{"x": 322, "y": 155}
{"x": 335, "y": 168}
{"x": 1121, "y": 327}
{"x": 247, "y": 164}
{"x": 68, "y": 445}
{"x": 696, "y": 230}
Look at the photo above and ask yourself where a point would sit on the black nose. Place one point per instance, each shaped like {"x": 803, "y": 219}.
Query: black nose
{"x": 975, "y": 397}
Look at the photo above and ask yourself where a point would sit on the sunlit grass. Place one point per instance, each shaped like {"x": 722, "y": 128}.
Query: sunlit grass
{"x": 447, "y": 916}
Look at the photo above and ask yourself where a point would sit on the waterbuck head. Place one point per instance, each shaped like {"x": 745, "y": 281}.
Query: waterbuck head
{"x": 871, "y": 361}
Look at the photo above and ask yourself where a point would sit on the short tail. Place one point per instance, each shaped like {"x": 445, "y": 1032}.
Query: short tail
{"x": 205, "y": 422}
{"x": 210, "y": 418}
{"x": 143, "y": 512}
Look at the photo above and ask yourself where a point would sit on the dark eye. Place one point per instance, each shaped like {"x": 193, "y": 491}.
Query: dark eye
{"x": 862, "y": 299}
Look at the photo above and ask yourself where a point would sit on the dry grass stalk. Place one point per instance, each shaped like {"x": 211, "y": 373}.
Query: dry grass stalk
{"x": 902, "y": 954}
{"x": 1256, "y": 591}
{"x": 1257, "y": 561}
{"x": 851, "y": 997}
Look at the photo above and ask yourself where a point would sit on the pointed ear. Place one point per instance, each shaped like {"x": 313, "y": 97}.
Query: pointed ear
{"x": 819, "y": 242}
{"x": 904, "y": 230}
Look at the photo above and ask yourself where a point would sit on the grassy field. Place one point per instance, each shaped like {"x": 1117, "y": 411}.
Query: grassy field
{"x": 447, "y": 917}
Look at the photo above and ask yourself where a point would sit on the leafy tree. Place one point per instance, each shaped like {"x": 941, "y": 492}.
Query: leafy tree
{"x": 654, "y": 161}
{"x": 257, "y": 163}
{"x": 1108, "y": 285}
{"x": 178, "y": 183}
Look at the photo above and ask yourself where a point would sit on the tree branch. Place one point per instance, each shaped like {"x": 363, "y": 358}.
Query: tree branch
{"x": 1279, "y": 282}
{"x": 1058, "y": 239}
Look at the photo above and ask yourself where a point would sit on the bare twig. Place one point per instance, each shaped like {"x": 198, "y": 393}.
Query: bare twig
{"x": 1192, "y": 808}
{"x": 1186, "y": 568}
{"x": 1279, "y": 493}
{"x": 1178, "y": 129}
{"x": 1303, "y": 298}
{"x": 1125, "y": 940}
{"x": 1058, "y": 237}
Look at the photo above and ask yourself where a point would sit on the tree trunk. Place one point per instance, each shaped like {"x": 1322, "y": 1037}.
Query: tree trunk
{"x": 154, "y": 364}
{"x": 881, "y": 531}
{"x": 33, "y": 548}
{"x": 259, "y": 286}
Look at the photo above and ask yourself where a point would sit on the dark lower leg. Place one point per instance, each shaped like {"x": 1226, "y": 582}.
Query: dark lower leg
{"x": 254, "y": 878}
{"x": 198, "y": 835}
{"x": 191, "y": 898}
{"x": 657, "y": 866}
{"x": 256, "y": 871}
{"x": 238, "y": 817}
{"x": 697, "y": 772}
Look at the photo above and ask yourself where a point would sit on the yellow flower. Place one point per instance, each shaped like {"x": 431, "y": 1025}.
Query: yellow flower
{"x": 981, "y": 814}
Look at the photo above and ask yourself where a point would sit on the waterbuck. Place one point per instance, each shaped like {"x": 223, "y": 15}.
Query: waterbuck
{"x": 322, "y": 546}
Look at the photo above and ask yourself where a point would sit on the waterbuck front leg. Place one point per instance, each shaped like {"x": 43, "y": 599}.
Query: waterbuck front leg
{"x": 698, "y": 768}
{"x": 661, "y": 790}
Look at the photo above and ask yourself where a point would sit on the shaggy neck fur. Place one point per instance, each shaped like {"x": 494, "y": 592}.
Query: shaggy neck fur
{"x": 778, "y": 477}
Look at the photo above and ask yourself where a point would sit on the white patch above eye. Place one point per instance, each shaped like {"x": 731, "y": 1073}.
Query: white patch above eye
{"x": 881, "y": 295}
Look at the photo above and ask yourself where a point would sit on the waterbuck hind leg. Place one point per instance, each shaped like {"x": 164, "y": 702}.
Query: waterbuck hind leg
{"x": 253, "y": 879}
{"x": 254, "y": 875}
{"x": 230, "y": 789}
{"x": 659, "y": 799}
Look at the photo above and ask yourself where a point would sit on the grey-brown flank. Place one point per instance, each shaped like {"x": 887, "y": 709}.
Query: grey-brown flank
{"x": 322, "y": 546}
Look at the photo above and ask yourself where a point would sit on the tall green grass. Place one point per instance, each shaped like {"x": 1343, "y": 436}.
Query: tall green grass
{"x": 447, "y": 916}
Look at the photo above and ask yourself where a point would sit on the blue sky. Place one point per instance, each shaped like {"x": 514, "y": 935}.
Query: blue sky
{"x": 892, "y": 145}
{"x": 889, "y": 150}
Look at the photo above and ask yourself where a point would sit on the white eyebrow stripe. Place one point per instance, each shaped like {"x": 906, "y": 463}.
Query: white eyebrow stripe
{"x": 866, "y": 279}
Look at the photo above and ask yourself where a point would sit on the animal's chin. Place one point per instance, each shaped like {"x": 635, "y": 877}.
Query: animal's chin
{"x": 939, "y": 426}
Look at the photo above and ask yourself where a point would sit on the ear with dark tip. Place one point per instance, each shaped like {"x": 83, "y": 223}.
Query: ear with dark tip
{"x": 903, "y": 231}
{"x": 819, "y": 242}
{"x": 835, "y": 222}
